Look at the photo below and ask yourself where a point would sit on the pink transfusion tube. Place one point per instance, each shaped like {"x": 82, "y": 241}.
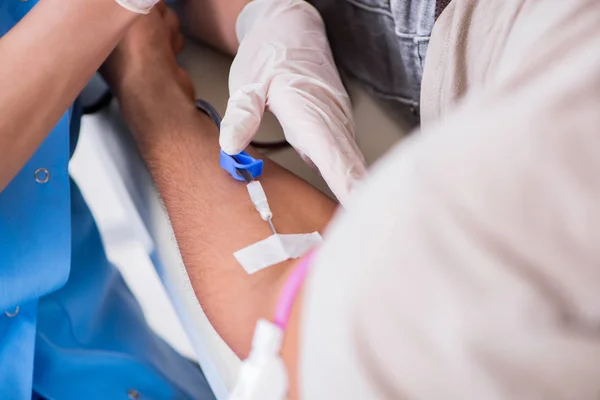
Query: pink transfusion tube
{"x": 290, "y": 291}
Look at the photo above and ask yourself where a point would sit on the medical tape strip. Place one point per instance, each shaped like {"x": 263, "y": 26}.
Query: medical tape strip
{"x": 276, "y": 249}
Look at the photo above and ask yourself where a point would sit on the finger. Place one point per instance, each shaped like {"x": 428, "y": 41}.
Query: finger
{"x": 307, "y": 160}
{"x": 245, "y": 109}
{"x": 174, "y": 27}
{"x": 322, "y": 133}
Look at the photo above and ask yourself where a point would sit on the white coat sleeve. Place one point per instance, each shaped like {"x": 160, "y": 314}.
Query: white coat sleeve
{"x": 468, "y": 266}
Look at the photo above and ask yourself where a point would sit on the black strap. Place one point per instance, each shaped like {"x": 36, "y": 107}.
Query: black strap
{"x": 209, "y": 110}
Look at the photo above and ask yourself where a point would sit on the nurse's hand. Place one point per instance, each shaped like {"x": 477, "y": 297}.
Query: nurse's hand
{"x": 145, "y": 61}
{"x": 138, "y": 6}
{"x": 284, "y": 64}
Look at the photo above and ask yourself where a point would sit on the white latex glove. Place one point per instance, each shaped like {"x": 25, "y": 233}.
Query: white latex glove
{"x": 138, "y": 6}
{"x": 284, "y": 64}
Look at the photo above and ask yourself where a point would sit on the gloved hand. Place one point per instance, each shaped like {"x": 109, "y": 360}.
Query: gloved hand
{"x": 284, "y": 64}
{"x": 138, "y": 6}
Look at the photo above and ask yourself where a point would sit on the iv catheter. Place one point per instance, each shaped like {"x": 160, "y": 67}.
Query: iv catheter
{"x": 266, "y": 215}
{"x": 243, "y": 167}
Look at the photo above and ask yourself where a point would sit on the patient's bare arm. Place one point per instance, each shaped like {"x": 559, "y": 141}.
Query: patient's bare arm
{"x": 211, "y": 213}
{"x": 212, "y": 21}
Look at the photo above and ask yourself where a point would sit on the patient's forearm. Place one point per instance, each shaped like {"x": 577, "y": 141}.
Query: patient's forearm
{"x": 212, "y": 215}
{"x": 212, "y": 21}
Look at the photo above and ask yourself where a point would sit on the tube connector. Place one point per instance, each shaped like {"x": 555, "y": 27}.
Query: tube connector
{"x": 263, "y": 375}
{"x": 259, "y": 199}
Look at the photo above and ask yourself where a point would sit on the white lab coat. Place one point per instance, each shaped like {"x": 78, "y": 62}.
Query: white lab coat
{"x": 468, "y": 265}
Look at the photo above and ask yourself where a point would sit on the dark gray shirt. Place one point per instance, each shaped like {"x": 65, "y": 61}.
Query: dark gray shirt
{"x": 382, "y": 43}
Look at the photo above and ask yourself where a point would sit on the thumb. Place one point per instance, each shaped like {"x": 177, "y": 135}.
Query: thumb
{"x": 242, "y": 118}
{"x": 323, "y": 135}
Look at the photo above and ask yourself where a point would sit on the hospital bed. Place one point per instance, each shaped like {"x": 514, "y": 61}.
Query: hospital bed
{"x": 377, "y": 131}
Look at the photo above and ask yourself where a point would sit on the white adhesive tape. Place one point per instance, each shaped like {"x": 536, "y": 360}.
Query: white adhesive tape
{"x": 275, "y": 249}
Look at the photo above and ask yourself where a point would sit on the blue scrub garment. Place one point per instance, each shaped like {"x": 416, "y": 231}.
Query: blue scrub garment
{"x": 69, "y": 326}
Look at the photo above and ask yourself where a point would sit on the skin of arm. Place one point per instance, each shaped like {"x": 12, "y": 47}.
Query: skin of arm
{"x": 50, "y": 55}
{"x": 211, "y": 213}
{"x": 212, "y": 216}
{"x": 212, "y": 21}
